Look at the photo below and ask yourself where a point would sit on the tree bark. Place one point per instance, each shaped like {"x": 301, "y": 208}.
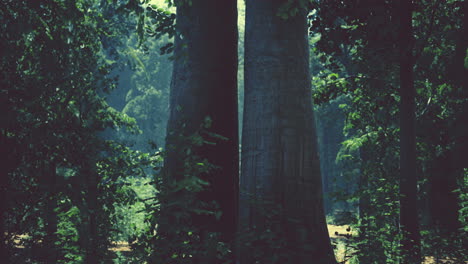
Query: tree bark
{"x": 364, "y": 206}
{"x": 92, "y": 254}
{"x": 88, "y": 185}
{"x": 204, "y": 84}
{"x": 443, "y": 201}
{"x": 11, "y": 162}
{"x": 460, "y": 79}
{"x": 408, "y": 179}
{"x": 449, "y": 167}
{"x": 51, "y": 218}
{"x": 280, "y": 165}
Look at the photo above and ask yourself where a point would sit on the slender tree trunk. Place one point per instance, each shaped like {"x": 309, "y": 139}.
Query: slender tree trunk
{"x": 457, "y": 71}
{"x": 327, "y": 168}
{"x": 92, "y": 247}
{"x": 280, "y": 165}
{"x": 408, "y": 182}
{"x": 10, "y": 150}
{"x": 204, "y": 84}
{"x": 364, "y": 236}
{"x": 460, "y": 79}
{"x": 5, "y": 170}
{"x": 51, "y": 218}
{"x": 3, "y": 198}
{"x": 443, "y": 200}
{"x": 372, "y": 250}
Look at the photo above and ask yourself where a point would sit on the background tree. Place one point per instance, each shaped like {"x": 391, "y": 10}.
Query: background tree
{"x": 409, "y": 221}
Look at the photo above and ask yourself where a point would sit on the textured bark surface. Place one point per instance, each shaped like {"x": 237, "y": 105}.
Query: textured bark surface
{"x": 409, "y": 222}
{"x": 280, "y": 165}
{"x": 204, "y": 83}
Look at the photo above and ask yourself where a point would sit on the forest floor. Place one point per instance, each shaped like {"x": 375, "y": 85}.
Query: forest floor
{"x": 334, "y": 231}
{"x": 120, "y": 246}
{"x": 337, "y": 235}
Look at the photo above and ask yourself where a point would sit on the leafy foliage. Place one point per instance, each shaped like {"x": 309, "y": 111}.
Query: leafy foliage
{"x": 64, "y": 178}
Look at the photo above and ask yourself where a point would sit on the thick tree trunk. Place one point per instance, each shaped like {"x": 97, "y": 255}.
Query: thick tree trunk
{"x": 280, "y": 165}
{"x": 408, "y": 182}
{"x": 204, "y": 84}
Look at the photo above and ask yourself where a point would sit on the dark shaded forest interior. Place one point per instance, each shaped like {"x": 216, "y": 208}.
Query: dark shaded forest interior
{"x": 234, "y": 131}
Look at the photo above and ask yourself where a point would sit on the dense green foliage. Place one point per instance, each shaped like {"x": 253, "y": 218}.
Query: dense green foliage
{"x": 63, "y": 178}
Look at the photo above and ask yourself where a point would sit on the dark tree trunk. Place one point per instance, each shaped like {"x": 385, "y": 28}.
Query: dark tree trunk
{"x": 204, "y": 84}
{"x": 457, "y": 71}
{"x": 443, "y": 201}
{"x": 51, "y": 218}
{"x": 10, "y": 150}
{"x": 460, "y": 79}
{"x": 364, "y": 207}
{"x": 280, "y": 165}
{"x": 5, "y": 170}
{"x": 3, "y": 207}
{"x": 408, "y": 180}
{"x": 441, "y": 205}
{"x": 92, "y": 245}
{"x": 449, "y": 168}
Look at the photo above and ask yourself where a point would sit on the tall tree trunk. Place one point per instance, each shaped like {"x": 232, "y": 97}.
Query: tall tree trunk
{"x": 280, "y": 165}
{"x": 204, "y": 84}
{"x": 364, "y": 208}
{"x": 3, "y": 207}
{"x": 443, "y": 201}
{"x": 408, "y": 180}
{"x": 92, "y": 246}
{"x": 460, "y": 79}
{"x": 51, "y": 218}
{"x": 457, "y": 71}
{"x": 10, "y": 163}
{"x": 449, "y": 168}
